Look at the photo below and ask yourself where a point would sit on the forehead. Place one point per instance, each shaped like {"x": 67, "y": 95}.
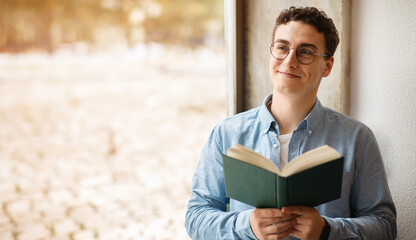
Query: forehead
{"x": 297, "y": 33}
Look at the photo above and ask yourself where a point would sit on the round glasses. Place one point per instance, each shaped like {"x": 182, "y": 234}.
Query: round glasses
{"x": 305, "y": 55}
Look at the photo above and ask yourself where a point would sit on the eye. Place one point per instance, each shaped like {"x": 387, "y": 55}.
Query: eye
{"x": 306, "y": 53}
{"x": 282, "y": 47}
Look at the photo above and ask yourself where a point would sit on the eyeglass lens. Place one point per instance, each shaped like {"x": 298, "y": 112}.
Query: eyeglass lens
{"x": 305, "y": 55}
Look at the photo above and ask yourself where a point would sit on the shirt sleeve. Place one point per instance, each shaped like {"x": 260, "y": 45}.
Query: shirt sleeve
{"x": 207, "y": 216}
{"x": 373, "y": 214}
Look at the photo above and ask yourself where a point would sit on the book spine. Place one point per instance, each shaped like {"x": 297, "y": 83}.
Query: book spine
{"x": 282, "y": 194}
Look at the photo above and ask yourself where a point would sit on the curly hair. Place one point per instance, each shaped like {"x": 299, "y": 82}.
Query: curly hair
{"x": 314, "y": 17}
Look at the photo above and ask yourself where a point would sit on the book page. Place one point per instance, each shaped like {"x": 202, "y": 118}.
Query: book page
{"x": 310, "y": 159}
{"x": 249, "y": 156}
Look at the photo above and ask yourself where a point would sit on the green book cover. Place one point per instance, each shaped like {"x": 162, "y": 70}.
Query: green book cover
{"x": 309, "y": 186}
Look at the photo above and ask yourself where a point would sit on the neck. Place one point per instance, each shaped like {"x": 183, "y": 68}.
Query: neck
{"x": 290, "y": 111}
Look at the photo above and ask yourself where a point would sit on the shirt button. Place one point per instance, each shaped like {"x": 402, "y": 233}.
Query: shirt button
{"x": 275, "y": 145}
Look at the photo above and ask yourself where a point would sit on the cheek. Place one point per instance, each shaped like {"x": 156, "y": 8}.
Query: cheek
{"x": 314, "y": 71}
{"x": 273, "y": 63}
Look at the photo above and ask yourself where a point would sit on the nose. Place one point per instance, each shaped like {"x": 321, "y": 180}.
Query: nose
{"x": 291, "y": 59}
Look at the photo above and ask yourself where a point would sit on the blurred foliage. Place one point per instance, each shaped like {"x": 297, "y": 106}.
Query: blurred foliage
{"x": 27, "y": 25}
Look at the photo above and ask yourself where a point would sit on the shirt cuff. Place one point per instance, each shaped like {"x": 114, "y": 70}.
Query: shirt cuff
{"x": 242, "y": 225}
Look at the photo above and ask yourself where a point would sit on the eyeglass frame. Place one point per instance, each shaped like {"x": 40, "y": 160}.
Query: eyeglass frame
{"x": 297, "y": 56}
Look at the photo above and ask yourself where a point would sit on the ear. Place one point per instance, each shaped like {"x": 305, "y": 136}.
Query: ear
{"x": 328, "y": 67}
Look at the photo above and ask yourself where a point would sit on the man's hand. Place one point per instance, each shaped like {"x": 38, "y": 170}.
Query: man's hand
{"x": 309, "y": 223}
{"x": 271, "y": 223}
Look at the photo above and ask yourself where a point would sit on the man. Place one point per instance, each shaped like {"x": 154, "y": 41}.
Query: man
{"x": 290, "y": 122}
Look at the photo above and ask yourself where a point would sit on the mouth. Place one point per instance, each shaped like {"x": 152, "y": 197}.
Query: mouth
{"x": 289, "y": 75}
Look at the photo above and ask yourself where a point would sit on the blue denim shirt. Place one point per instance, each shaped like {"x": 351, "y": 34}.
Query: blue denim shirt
{"x": 364, "y": 211}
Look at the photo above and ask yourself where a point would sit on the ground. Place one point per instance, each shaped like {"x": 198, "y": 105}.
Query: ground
{"x": 103, "y": 146}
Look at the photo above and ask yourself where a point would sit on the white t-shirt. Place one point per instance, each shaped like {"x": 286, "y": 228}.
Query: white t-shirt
{"x": 284, "y": 149}
{"x": 284, "y": 154}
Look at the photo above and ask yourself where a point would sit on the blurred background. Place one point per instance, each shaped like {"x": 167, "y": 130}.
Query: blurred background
{"x": 49, "y": 25}
{"x": 104, "y": 108}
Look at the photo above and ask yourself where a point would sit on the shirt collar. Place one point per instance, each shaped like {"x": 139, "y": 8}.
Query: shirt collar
{"x": 268, "y": 123}
{"x": 314, "y": 117}
{"x": 266, "y": 119}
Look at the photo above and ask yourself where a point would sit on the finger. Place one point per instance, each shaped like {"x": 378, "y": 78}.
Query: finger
{"x": 268, "y": 212}
{"x": 301, "y": 212}
{"x": 288, "y": 217}
{"x": 279, "y": 235}
{"x": 301, "y": 231}
{"x": 304, "y": 221}
{"x": 279, "y": 220}
{"x": 271, "y": 222}
{"x": 267, "y": 216}
{"x": 296, "y": 233}
{"x": 279, "y": 227}
{"x": 297, "y": 210}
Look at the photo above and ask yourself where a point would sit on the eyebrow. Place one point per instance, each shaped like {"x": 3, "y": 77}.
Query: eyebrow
{"x": 301, "y": 45}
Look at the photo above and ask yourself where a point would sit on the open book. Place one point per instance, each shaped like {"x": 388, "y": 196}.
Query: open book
{"x": 311, "y": 179}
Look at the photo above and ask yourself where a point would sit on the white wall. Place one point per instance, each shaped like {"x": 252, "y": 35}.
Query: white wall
{"x": 383, "y": 93}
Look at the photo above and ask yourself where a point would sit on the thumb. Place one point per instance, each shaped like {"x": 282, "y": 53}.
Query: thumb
{"x": 297, "y": 210}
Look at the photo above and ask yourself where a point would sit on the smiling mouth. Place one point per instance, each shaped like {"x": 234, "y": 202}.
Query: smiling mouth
{"x": 289, "y": 75}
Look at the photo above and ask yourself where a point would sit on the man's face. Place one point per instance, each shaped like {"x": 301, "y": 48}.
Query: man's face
{"x": 289, "y": 76}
